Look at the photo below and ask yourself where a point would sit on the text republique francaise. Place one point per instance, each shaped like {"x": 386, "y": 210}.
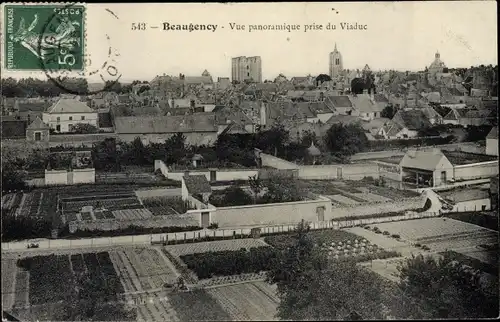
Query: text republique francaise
{"x": 190, "y": 27}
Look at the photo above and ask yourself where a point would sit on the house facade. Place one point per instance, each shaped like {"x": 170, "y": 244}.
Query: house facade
{"x": 37, "y": 131}
{"x": 492, "y": 142}
{"x": 64, "y": 114}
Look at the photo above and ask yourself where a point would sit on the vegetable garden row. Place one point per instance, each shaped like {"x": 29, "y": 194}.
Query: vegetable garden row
{"x": 53, "y": 278}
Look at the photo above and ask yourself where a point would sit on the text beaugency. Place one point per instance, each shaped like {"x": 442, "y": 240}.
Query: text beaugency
{"x": 189, "y": 27}
{"x": 280, "y": 27}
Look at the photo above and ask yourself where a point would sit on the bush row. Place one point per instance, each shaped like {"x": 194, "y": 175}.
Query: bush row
{"x": 225, "y": 263}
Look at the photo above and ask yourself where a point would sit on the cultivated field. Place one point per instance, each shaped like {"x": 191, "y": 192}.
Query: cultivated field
{"x": 355, "y": 192}
{"x": 46, "y": 285}
{"x": 214, "y": 246}
{"x": 255, "y": 301}
{"x": 142, "y": 269}
{"x": 441, "y": 233}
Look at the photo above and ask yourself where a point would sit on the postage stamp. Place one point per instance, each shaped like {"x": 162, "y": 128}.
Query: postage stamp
{"x": 44, "y": 37}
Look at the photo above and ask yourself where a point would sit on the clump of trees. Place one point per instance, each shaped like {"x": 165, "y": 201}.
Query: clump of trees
{"x": 346, "y": 139}
{"x": 311, "y": 287}
{"x": 276, "y": 190}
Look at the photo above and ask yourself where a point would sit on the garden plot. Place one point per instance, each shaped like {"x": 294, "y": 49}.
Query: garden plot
{"x": 214, "y": 246}
{"x": 31, "y": 204}
{"x": 360, "y": 249}
{"x": 132, "y": 214}
{"x": 420, "y": 229}
{"x": 343, "y": 199}
{"x": 143, "y": 269}
{"x": 371, "y": 197}
{"x": 198, "y": 305}
{"x": 9, "y": 270}
{"x": 156, "y": 309}
{"x": 254, "y": 301}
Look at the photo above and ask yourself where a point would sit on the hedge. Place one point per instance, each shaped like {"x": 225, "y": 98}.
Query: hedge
{"x": 226, "y": 263}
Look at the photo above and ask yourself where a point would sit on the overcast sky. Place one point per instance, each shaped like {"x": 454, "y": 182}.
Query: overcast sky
{"x": 402, "y": 36}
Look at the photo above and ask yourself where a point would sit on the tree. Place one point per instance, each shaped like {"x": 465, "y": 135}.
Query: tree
{"x": 346, "y": 140}
{"x": 312, "y": 288}
{"x": 113, "y": 86}
{"x": 388, "y": 111}
{"x": 273, "y": 140}
{"x": 175, "y": 148}
{"x": 106, "y": 156}
{"x": 444, "y": 288}
{"x": 357, "y": 86}
{"x": 230, "y": 197}
{"x": 84, "y": 128}
{"x": 12, "y": 178}
{"x": 283, "y": 189}
{"x": 322, "y": 78}
{"x": 256, "y": 186}
{"x": 137, "y": 153}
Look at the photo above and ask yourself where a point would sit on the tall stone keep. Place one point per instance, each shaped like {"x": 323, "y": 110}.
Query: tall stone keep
{"x": 335, "y": 63}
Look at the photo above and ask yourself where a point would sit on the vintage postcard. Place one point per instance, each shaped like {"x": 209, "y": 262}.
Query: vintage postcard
{"x": 249, "y": 161}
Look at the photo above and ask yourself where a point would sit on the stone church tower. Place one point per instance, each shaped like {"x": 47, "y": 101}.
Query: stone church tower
{"x": 335, "y": 63}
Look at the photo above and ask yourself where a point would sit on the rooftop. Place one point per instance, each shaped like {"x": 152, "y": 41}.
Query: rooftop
{"x": 462, "y": 158}
{"x": 201, "y": 122}
{"x": 464, "y": 194}
{"x": 197, "y": 184}
{"x": 69, "y": 105}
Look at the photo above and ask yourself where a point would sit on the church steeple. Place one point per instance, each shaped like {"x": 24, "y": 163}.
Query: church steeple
{"x": 437, "y": 55}
{"x": 335, "y": 49}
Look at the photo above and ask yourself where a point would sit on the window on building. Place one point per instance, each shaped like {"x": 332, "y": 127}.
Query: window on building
{"x": 58, "y": 119}
{"x": 71, "y": 118}
{"x": 248, "y": 74}
{"x": 58, "y": 128}
{"x": 83, "y": 118}
{"x": 248, "y": 67}
{"x": 38, "y": 136}
{"x": 70, "y": 127}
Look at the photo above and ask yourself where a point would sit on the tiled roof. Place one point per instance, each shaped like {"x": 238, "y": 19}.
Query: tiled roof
{"x": 304, "y": 110}
{"x": 198, "y": 80}
{"x": 38, "y": 124}
{"x": 340, "y": 101}
{"x": 69, "y": 105}
{"x": 234, "y": 114}
{"x": 364, "y": 104}
{"x": 412, "y": 119}
{"x": 430, "y": 113}
{"x": 35, "y": 107}
{"x": 375, "y": 124}
{"x": 392, "y": 128}
{"x": 197, "y": 184}
{"x": 13, "y": 129}
{"x": 319, "y": 108}
{"x": 380, "y": 98}
{"x": 493, "y": 133}
{"x": 201, "y": 122}
{"x": 425, "y": 160}
{"x": 345, "y": 119}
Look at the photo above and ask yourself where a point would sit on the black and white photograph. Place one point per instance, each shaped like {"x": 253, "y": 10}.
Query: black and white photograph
{"x": 249, "y": 161}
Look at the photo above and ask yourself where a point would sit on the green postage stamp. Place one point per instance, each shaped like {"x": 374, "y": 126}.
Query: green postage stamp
{"x": 49, "y": 37}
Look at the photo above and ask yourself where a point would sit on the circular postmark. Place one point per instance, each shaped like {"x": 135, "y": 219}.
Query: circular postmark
{"x": 63, "y": 57}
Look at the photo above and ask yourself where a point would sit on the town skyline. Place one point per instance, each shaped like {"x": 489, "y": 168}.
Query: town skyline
{"x": 396, "y": 39}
